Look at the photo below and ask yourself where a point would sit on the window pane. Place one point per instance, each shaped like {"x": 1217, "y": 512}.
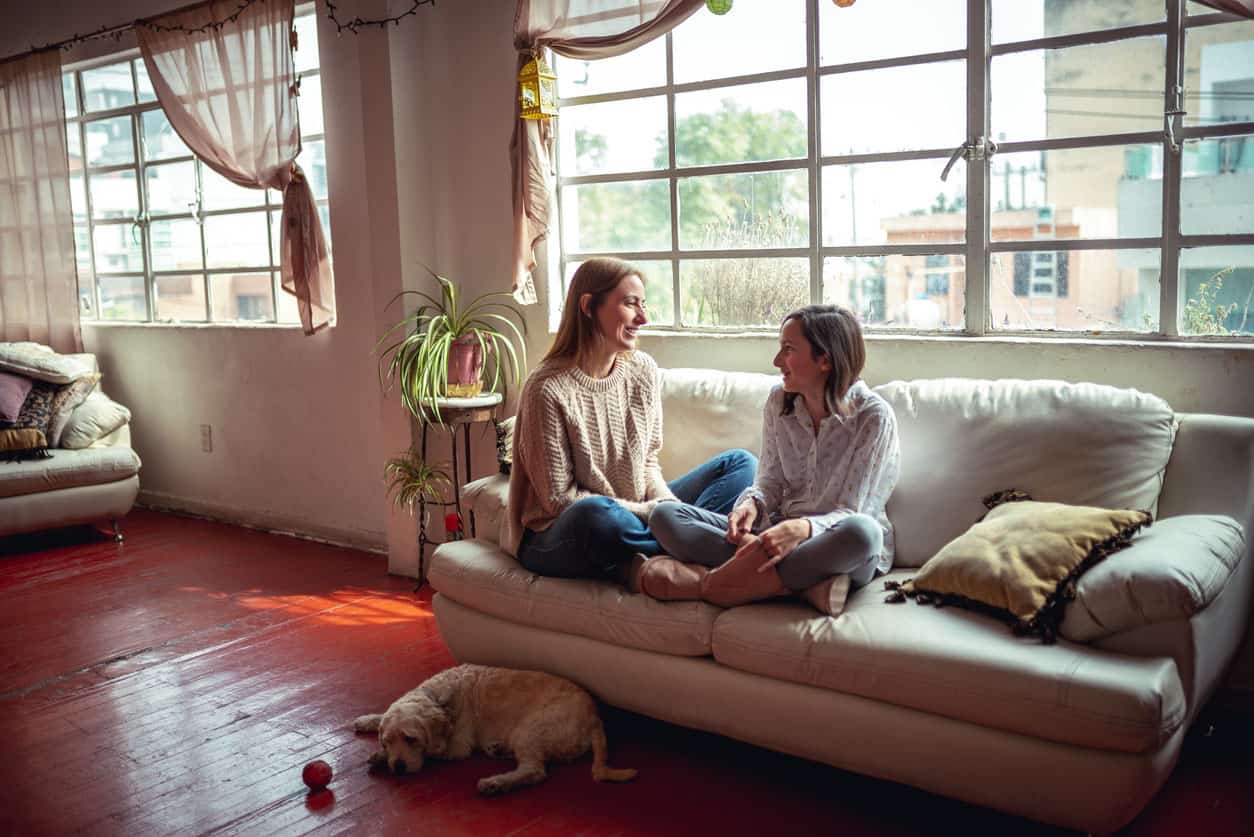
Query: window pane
{"x": 105, "y": 88}
{"x": 1219, "y": 74}
{"x": 109, "y": 142}
{"x": 748, "y": 123}
{"x": 894, "y": 203}
{"x": 642, "y": 67}
{"x": 160, "y": 141}
{"x": 867, "y": 31}
{"x": 309, "y": 105}
{"x": 751, "y": 38}
{"x": 926, "y": 292}
{"x": 928, "y": 109}
{"x": 1024, "y": 20}
{"x": 613, "y": 137}
{"x": 1217, "y": 192}
{"x": 1106, "y": 192}
{"x": 69, "y": 94}
{"x": 1076, "y": 290}
{"x": 82, "y": 253}
{"x": 659, "y": 290}
{"x": 1078, "y": 91}
{"x": 74, "y": 146}
{"x": 78, "y": 198}
{"x": 1218, "y": 283}
{"x": 313, "y": 161}
{"x": 305, "y": 56}
{"x": 117, "y": 251}
{"x": 113, "y": 195}
{"x": 122, "y": 298}
{"x": 142, "y": 83}
{"x": 220, "y": 193}
{"x": 239, "y": 240}
{"x": 751, "y": 210}
{"x": 617, "y": 217}
{"x": 86, "y": 291}
{"x": 288, "y": 311}
{"x": 742, "y": 292}
{"x": 180, "y": 298}
{"x": 241, "y": 296}
{"x": 176, "y": 245}
{"x": 171, "y": 188}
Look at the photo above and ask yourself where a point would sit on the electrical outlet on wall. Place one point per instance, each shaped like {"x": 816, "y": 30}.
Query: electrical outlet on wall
{"x": 206, "y": 438}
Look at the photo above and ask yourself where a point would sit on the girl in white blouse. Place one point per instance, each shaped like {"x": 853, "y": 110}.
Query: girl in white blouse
{"x": 830, "y": 460}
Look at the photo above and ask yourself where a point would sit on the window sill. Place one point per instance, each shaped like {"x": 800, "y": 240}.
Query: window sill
{"x": 111, "y": 324}
{"x": 1008, "y": 339}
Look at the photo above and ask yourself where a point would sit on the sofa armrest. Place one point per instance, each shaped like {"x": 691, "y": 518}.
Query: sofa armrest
{"x": 488, "y": 500}
{"x": 120, "y": 438}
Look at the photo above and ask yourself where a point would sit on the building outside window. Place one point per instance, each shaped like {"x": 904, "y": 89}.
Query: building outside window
{"x": 160, "y": 237}
{"x": 791, "y": 152}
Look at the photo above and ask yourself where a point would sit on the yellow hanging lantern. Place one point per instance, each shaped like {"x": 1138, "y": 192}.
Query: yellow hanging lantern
{"x": 537, "y": 89}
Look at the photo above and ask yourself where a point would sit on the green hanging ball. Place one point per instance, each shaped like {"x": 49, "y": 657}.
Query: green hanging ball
{"x": 719, "y": 7}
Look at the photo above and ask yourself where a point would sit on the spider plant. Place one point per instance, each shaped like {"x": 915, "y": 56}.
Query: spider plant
{"x": 413, "y": 480}
{"x": 419, "y": 360}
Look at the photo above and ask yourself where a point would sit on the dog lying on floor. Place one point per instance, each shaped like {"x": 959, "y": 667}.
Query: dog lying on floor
{"x": 536, "y": 717}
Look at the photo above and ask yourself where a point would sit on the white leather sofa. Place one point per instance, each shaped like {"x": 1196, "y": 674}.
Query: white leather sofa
{"x": 97, "y": 484}
{"x": 1078, "y": 734}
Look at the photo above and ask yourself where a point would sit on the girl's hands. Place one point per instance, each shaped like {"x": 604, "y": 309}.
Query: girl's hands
{"x": 778, "y": 542}
{"x": 740, "y": 522}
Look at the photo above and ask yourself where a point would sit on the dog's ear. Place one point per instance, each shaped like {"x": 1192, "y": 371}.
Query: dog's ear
{"x": 432, "y": 728}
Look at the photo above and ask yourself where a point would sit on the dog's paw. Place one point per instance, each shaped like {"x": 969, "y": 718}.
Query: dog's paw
{"x": 367, "y": 723}
{"x": 493, "y": 786}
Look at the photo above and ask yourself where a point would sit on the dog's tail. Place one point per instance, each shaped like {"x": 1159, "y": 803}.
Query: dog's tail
{"x": 601, "y": 771}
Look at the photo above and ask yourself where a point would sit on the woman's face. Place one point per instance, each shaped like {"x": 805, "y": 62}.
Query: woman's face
{"x": 795, "y": 360}
{"x": 622, "y": 314}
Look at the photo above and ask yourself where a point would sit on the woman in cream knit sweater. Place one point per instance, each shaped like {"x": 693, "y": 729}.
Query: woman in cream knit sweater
{"x": 585, "y": 475}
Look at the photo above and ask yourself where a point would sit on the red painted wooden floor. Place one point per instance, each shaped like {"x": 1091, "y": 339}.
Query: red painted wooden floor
{"x": 178, "y": 684}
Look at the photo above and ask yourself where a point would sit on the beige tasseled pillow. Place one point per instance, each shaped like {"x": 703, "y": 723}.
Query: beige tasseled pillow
{"x": 1021, "y": 562}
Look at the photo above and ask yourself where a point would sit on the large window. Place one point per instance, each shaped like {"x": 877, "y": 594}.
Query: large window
{"x": 159, "y": 236}
{"x": 791, "y": 151}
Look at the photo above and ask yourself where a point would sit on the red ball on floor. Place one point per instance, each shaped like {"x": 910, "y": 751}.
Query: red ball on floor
{"x": 317, "y": 774}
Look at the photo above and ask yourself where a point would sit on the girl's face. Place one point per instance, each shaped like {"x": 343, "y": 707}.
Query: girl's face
{"x": 795, "y": 360}
{"x": 622, "y": 314}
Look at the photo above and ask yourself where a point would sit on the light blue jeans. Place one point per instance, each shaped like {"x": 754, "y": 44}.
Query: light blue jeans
{"x": 595, "y": 535}
{"x": 697, "y": 536}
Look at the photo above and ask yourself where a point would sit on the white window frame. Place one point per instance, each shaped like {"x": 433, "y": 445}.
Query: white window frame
{"x": 978, "y": 248}
{"x": 268, "y": 204}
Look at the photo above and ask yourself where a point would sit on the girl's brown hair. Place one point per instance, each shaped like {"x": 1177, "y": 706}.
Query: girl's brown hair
{"x": 834, "y": 332}
{"x": 578, "y": 330}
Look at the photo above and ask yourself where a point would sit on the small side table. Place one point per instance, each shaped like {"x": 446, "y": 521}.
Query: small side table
{"x": 455, "y": 413}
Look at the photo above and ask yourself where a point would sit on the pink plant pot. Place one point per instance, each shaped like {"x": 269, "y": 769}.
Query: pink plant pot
{"x": 465, "y": 367}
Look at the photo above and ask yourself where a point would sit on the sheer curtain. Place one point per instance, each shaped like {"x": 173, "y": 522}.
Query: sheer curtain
{"x": 38, "y": 279}
{"x": 230, "y": 93}
{"x": 587, "y": 29}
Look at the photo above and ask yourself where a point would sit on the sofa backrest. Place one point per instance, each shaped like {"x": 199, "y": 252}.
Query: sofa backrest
{"x": 961, "y": 439}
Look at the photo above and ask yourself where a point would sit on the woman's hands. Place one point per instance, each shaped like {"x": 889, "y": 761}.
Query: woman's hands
{"x": 775, "y": 544}
{"x": 740, "y": 521}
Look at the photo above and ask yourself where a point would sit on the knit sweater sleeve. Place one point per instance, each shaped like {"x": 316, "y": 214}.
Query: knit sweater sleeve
{"x": 542, "y": 444}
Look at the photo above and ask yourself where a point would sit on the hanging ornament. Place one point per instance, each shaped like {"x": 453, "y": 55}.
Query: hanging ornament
{"x": 844, "y": 4}
{"x": 719, "y": 7}
{"x": 537, "y": 89}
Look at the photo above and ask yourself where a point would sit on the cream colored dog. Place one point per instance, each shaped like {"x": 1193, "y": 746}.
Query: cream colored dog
{"x": 534, "y": 716}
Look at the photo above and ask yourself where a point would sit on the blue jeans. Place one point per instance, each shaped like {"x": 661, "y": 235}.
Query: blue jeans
{"x": 697, "y": 536}
{"x": 595, "y": 535}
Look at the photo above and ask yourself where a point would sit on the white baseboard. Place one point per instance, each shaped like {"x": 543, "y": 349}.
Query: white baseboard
{"x": 281, "y": 524}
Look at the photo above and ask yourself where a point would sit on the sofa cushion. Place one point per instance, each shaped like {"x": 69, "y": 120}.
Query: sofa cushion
{"x": 706, "y": 412}
{"x": 961, "y": 440}
{"x": 37, "y": 361}
{"x": 27, "y": 435}
{"x": 483, "y": 577}
{"x": 70, "y": 396}
{"x": 67, "y": 469}
{"x": 94, "y": 419}
{"x": 1171, "y": 571}
{"x": 960, "y": 665}
{"x": 1022, "y": 560}
{"x": 13, "y": 391}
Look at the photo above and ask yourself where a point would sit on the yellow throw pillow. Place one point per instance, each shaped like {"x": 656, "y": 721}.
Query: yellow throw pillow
{"x": 1021, "y": 562}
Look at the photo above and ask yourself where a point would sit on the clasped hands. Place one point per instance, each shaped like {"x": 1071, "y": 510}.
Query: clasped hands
{"x": 772, "y": 545}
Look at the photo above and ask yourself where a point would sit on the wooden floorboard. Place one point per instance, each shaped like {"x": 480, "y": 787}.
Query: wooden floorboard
{"x": 178, "y": 683}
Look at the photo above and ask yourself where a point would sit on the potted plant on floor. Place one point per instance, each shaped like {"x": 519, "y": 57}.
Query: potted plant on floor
{"x": 412, "y": 480}
{"x": 446, "y": 344}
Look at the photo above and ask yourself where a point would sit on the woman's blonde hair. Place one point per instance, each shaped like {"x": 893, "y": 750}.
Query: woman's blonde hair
{"x": 578, "y": 330}
{"x": 833, "y": 332}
